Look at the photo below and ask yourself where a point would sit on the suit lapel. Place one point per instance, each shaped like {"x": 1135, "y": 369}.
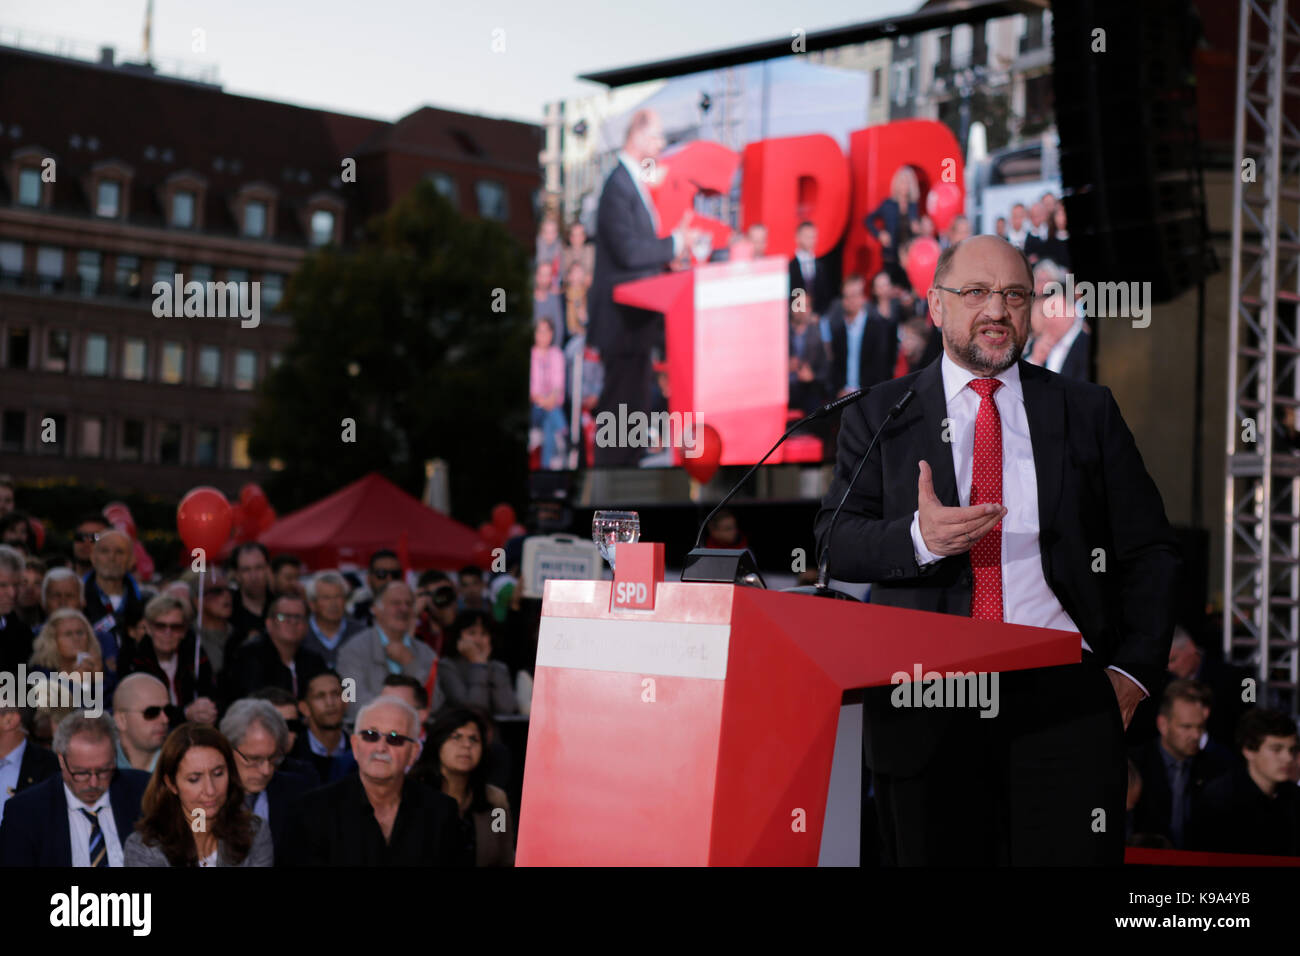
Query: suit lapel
{"x": 62, "y": 845}
{"x": 1045, "y": 410}
{"x": 936, "y": 451}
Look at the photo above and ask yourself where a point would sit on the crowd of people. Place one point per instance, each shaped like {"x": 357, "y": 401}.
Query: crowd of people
{"x": 262, "y": 701}
{"x": 845, "y": 332}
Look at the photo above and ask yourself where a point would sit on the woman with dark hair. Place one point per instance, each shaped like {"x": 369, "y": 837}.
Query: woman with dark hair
{"x": 193, "y": 812}
{"x": 452, "y": 761}
{"x": 466, "y": 674}
{"x": 16, "y": 531}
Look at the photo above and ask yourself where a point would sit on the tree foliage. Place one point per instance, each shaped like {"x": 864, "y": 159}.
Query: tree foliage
{"x": 400, "y": 336}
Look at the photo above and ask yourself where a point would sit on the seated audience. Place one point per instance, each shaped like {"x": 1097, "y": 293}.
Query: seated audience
{"x": 329, "y": 627}
{"x": 81, "y": 817}
{"x": 28, "y": 604}
{"x": 322, "y": 744}
{"x": 193, "y": 813}
{"x": 140, "y": 705}
{"x": 276, "y": 658}
{"x": 218, "y": 605}
{"x": 61, "y": 588}
{"x": 286, "y": 569}
{"x": 23, "y": 764}
{"x": 467, "y": 676}
{"x": 113, "y": 600}
{"x": 435, "y": 608}
{"x": 167, "y": 652}
{"x": 387, "y": 648}
{"x": 286, "y": 705}
{"x": 413, "y": 692}
{"x": 15, "y": 636}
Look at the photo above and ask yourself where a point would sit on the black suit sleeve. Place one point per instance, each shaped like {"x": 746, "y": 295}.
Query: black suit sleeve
{"x": 20, "y": 833}
{"x": 304, "y": 843}
{"x": 1146, "y": 558}
{"x": 632, "y": 249}
{"x": 867, "y": 546}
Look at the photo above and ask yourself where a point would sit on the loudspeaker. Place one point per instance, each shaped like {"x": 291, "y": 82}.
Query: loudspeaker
{"x": 1125, "y": 88}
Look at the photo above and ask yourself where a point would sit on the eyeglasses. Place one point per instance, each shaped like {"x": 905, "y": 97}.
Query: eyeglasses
{"x": 444, "y": 597}
{"x": 149, "y": 713}
{"x": 393, "y": 739}
{"x": 975, "y": 296}
{"x": 274, "y": 760}
{"x": 84, "y": 536}
{"x": 296, "y": 618}
{"x": 81, "y": 776}
{"x": 387, "y": 574}
{"x": 169, "y": 628}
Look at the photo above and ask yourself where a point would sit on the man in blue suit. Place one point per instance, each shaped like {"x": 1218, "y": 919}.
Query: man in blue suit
{"x": 83, "y": 816}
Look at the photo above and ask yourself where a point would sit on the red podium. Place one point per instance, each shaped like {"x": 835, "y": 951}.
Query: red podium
{"x": 713, "y": 728}
{"x": 726, "y": 331}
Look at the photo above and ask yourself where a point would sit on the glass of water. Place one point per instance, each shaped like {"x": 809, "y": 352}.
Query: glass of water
{"x": 702, "y": 246}
{"x": 608, "y": 528}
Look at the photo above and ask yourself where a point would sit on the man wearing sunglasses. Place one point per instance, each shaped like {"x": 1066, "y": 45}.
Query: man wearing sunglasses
{"x": 378, "y": 816}
{"x": 83, "y": 541}
{"x": 992, "y": 496}
{"x": 140, "y": 705}
{"x": 385, "y": 567}
{"x": 82, "y": 816}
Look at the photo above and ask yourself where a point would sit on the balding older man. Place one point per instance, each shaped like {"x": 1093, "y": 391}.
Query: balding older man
{"x": 1004, "y": 492}
{"x": 113, "y": 601}
{"x": 387, "y": 648}
{"x": 377, "y": 815}
{"x": 140, "y": 712}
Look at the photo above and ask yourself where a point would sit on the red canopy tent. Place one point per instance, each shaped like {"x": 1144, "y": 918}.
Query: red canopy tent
{"x": 364, "y": 517}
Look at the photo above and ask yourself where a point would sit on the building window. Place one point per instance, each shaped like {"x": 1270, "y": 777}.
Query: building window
{"x": 49, "y": 268}
{"x": 169, "y": 445}
{"x": 209, "y": 371}
{"x": 164, "y": 270}
{"x": 20, "y": 348}
{"x": 91, "y": 440}
{"x": 272, "y": 289}
{"x": 492, "y": 200}
{"x": 13, "y": 433}
{"x": 1034, "y": 35}
{"x": 183, "y": 209}
{"x": 979, "y": 44}
{"x": 57, "y": 347}
{"x": 446, "y": 187}
{"x": 205, "y": 447}
{"x": 254, "y": 219}
{"x": 245, "y": 370}
{"x": 236, "y": 275}
{"x": 134, "y": 359}
{"x": 199, "y": 273}
{"x": 11, "y": 263}
{"x": 89, "y": 266}
{"x": 58, "y": 433}
{"x": 877, "y": 84}
{"x": 94, "y": 355}
{"x": 132, "y": 448}
{"x": 108, "y": 199}
{"x": 273, "y": 360}
{"x": 126, "y": 275}
{"x": 239, "y": 451}
{"x": 322, "y": 227}
{"x": 29, "y": 186}
{"x": 173, "y": 363}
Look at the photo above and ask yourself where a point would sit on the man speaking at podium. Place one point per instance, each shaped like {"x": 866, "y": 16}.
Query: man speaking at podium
{"x": 628, "y": 247}
{"x": 1008, "y": 493}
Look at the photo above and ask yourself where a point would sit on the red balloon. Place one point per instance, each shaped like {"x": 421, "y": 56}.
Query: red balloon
{"x": 922, "y": 257}
{"x": 253, "y": 499}
{"x": 203, "y": 520}
{"x": 38, "y": 533}
{"x": 503, "y": 516}
{"x": 264, "y": 521}
{"x": 119, "y": 516}
{"x": 482, "y": 555}
{"x": 705, "y": 465}
{"x": 943, "y": 204}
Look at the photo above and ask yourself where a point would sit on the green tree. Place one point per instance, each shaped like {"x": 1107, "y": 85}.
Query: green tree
{"x": 401, "y": 336}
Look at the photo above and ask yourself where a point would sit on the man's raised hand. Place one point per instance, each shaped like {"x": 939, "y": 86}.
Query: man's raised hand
{"x": 947, "y": 531}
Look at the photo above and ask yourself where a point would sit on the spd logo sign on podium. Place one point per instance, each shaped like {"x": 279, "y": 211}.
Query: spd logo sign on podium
{"x": 638, "y": 568}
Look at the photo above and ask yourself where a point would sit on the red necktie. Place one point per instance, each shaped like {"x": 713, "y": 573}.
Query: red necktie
{"x": 986, "y": 486}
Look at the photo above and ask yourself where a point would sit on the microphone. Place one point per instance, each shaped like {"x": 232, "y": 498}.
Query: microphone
{"x": 741, "y": 555}
{"x": 820, "y": 588}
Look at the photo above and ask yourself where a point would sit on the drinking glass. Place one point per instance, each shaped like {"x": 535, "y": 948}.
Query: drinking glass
{"x": 608, "y": 528}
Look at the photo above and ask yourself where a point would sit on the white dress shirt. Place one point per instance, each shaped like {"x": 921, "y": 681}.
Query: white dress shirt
{"x": 79, "y": 829}
{"x": 1056, "y": 357}
{"x": 1026, "y": 596}
{"x": 635, "y": 172}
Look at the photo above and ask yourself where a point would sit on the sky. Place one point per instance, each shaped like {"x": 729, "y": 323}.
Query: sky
{"x": 385, "y": 58}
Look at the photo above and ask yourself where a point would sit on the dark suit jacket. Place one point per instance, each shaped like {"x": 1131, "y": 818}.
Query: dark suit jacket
{"x": 822, "y": 293}
{"x": 1078, "y": 363}
{"x": 879, "y": 348}
{"x": 282, "y": 792}
{"x": 1093, "y": 492}
{"x": 16, "y": 640}
{"x": 35, "y": 829}
{"x": 257, "y": 664}
{"x": 626, "y": 248}
{"x": 38, "y": 764}
{"x": 1232, "y": 815}
{"x": 1155, "y": 808}
{"x": 335, "y": 826}
{"x": 104, "y": 619}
